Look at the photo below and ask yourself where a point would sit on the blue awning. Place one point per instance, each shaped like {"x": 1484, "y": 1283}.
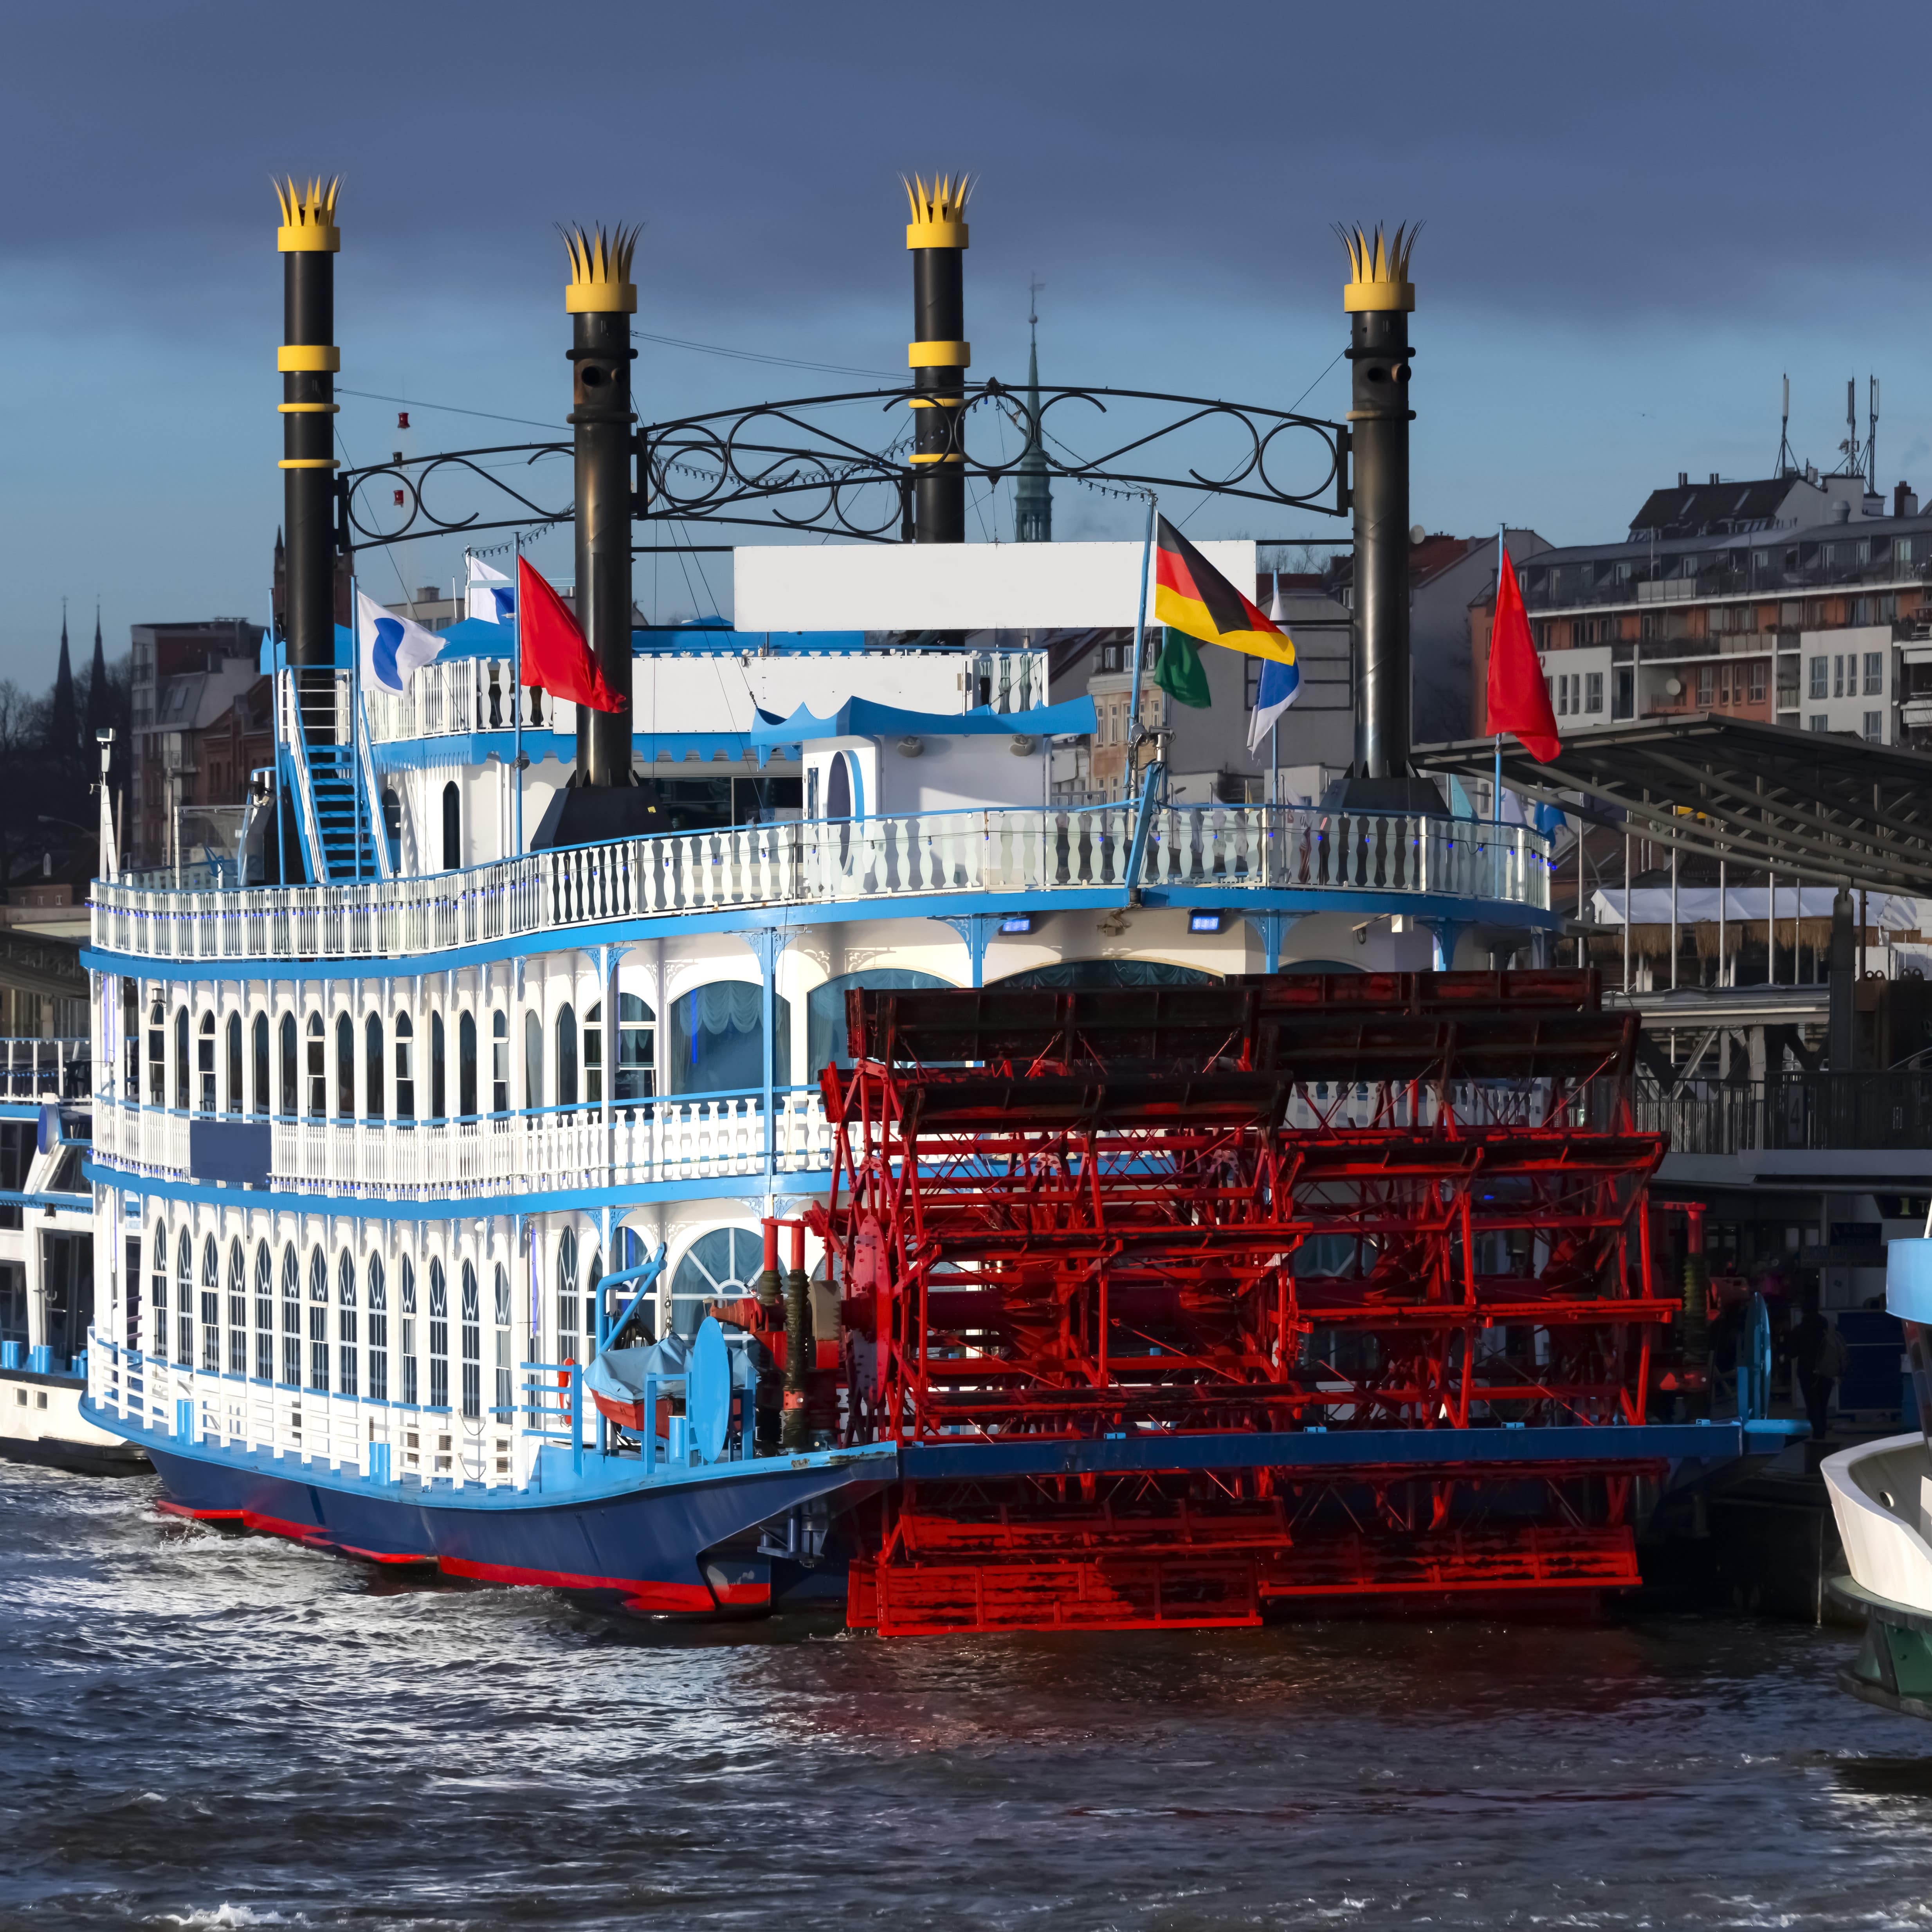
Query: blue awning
{"x": 860, "y": 718}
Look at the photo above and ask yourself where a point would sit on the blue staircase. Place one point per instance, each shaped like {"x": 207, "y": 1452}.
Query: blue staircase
{"x": 345, "y": 823}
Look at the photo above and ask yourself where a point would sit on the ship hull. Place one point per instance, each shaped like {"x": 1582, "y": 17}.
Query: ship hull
{"x": 684, "y": 1546}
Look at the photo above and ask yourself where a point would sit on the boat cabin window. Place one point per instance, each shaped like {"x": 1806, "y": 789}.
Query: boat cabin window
{"x": 465, "y": 1066}
{"x": 265, "y": 1315}
{"x": 318, "y": 1069}
{"x": 406, "y": 1080}
{"x": 130, "y": 1035}
{"x": 452, "y": 828}
{"x": 567, "y": 1302}
{"x": 238, "y": 1309}
{"x": 717, "y": 1040}
{"x": 184, "y": 1301}
{"x": 348, "y": 1354}
{"x": 566, "y": 1057}
{"x": 158, "y": 1047}
{"x": 211, "y": 1307}
{"x": 157, "y": 1289}
{"x": 345, "y": 1067}
{"x": 499, "y": 1063}
{"x": 261, "y": 1032}
{"x": 408, "y": 1337}
{"x": 205, "y": 1063}
{"x": 503, "y": 1409}
{"x": 438, "y": 1110}
{"x": 379, "y": 1332}
{"x": 472, "y": 1344}
{"x": 236, "y": 1099}
{"x": 438, "y": 1337}
{"x": 291, "y": 1082}
{"x": 180, "y": 1060}
{"x": 635, "y": 1051}
{"x": 372, "y": 1067}
{"x": 392, "y": 828}
{"x": 533, "y": 1061}
{"x": 318, "y": 1322}
{"x": 291, "y": 1319}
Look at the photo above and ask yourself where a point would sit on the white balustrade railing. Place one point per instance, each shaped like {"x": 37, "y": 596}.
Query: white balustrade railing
{"x": 670, "y": 1138}
{"x": 343, "y": 1432}
{"x": 1018, "y": 849}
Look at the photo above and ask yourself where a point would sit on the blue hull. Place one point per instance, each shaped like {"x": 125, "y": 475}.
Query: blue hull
{"x": 676, "y": 1543}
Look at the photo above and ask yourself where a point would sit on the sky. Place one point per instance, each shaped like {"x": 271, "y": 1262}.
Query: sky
{"x": 1637, "y": 218}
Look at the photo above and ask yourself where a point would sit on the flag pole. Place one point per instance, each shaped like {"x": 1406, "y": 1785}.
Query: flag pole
{"x": 1496, "y": 782}
{"x": 516, "y": 678}
{"x": 356, "y": 714}
{"x": 1140, "y": 634}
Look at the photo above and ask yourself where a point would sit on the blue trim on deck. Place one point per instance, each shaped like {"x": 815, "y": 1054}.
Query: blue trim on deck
{"x": 797, "y": 918}
{"x": 456, "y": 1207}
{"x": 1353, "y": 1448}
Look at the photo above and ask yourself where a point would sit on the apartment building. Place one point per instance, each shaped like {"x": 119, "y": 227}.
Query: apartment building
{"x": 1796, "y": 600}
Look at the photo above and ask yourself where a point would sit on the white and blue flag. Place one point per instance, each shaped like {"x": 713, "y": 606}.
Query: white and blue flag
{"x": 1279, "y": 684}
{"x": 493, "y": 596}
{"x": 392, "y": 650}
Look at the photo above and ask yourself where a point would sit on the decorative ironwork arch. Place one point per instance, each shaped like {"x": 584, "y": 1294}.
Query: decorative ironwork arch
{"x": 771, "y": 465}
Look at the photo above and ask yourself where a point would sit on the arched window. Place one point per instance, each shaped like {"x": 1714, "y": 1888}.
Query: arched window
{"x": 465, "y": 1066}
{"x": 720, "y": 1266}
{"x": 406, "y": 1068}
{"x": 238, "y": 1309}
{"x": 593, "y": 1284}
{"x": 438, "y": 1337}
{"x": 372, "y": 1067}
{"x": 473, "y": 1345}
{"x": 502, "y": 1314}
{"x": 379, "y": 1331}
{"x": 261, "y": 1042}
{"x": 157, "y": 1289}
{"x": 533, "y": 1086}
{"x": 409, "y": 1335}
{"x": 210, "y": 1305}
{"x": 499, "y": 1063}
{"x": 292, "y": 1323}
{"x": 717, "y": 1040}
{"x": 184, "y": 1301}
{"x": 568, "y": 1306}
{"x": 452, "y": 828}
{"x": 318, "y": 1069}
{"x": 204, "y": 1059}
{"x": 265, "y": 1315}
{"x": 180, "y": 1060}
{"x": 345, "y": 1067}
{"x": 158, "y": 1050}
{"x": 566, "y": 1057}
{"x": 438, "y": 1091}
{"x": 291, "y": 1070}
{"x": 318, "y": 1322}
{"x": 347, "y": 1353}
{"x": 392, "y": 827}
{"x": 237, "y": 1099}
{"x": 825, "y": 1042}
{"x": 635, "y": 1051}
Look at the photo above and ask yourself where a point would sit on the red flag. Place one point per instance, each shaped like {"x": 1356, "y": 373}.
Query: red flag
{"x": 555, "y": 654}
{"x": 1519, "y": 699}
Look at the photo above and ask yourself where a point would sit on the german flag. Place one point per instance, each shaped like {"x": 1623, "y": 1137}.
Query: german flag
{"x": 1191, "y": 595}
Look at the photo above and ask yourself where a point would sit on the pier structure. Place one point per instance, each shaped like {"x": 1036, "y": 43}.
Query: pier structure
{"x": 395, "y": 1130}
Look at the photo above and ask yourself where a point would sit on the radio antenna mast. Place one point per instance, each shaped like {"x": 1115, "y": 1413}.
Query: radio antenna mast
{"x": 1871, "y": 442}
{"x": 1787, "y": 463}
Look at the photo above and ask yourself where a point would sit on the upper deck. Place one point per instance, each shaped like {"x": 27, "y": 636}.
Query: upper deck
{"x": 1243, "y": 859}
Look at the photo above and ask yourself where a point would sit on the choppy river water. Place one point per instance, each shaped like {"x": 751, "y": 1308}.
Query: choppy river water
{"x": 200, "y": 1730}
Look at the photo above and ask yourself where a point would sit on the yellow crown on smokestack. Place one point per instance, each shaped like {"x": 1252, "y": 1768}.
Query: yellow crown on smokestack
{"x": 1379, "y": 269}
{"x": 938, "y": 212}
{"x": 600, "y": 272}
{"x": 308, "y": 217}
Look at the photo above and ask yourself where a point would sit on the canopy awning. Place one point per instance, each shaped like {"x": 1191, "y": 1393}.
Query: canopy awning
{"x": 860, "y": 718}
{"x": 1819, "y": 805}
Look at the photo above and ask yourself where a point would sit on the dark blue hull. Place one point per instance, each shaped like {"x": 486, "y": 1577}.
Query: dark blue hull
{"x": 681, "y": 1544}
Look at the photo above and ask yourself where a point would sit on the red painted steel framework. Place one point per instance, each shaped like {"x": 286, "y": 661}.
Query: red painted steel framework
{"x": 1075, "y": 1229}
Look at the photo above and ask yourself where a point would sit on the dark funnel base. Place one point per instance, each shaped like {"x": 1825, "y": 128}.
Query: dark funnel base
{"x": 597, "y": 815}
{"x": 1409, "y": 793}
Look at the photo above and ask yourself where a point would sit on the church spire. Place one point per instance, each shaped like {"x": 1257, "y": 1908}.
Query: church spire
{"x": 1032, "y": 496}
{"x": 63, "y": 726}
{"x": 96, "y": 683}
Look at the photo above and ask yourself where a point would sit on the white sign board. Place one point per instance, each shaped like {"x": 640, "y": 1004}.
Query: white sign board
{"x": 953, "y": 586}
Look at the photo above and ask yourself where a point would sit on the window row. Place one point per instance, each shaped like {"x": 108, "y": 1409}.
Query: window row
{"x": 1838, "y": 675}
{"x": 335, "y": 1339}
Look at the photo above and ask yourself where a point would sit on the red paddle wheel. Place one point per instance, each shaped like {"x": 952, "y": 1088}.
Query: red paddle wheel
{"x": 1182, "y": 1301}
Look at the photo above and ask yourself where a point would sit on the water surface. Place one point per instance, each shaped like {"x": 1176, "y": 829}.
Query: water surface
{"x": 197, "y": 1729}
